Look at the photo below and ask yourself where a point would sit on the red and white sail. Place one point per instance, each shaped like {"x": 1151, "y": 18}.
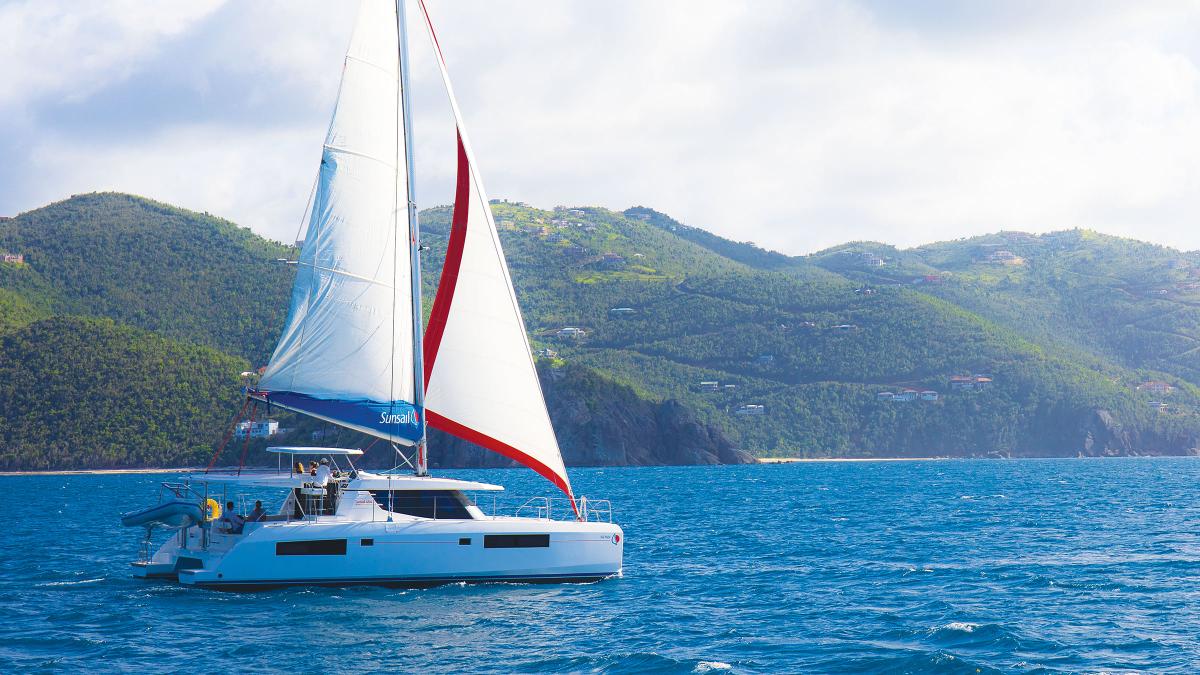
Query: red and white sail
{"x": 481, "y": 382}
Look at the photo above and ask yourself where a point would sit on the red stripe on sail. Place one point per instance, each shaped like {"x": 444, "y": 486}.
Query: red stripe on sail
{"x": 501, "y": 448}
{"x": 432, "y": 33}
{"x": 454, "y": 253}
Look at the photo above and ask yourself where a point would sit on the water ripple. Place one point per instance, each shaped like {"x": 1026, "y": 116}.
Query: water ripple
{"x": 924, "y": 567}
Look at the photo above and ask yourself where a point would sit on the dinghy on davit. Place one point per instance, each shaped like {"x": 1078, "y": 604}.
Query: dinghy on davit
{"x": 354, "y": 353}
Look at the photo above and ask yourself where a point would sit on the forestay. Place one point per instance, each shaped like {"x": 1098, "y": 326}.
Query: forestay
{"x": 346, "y": 352}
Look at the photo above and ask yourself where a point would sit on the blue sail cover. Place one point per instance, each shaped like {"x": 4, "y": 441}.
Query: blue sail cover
{"x": 398, "y": 421}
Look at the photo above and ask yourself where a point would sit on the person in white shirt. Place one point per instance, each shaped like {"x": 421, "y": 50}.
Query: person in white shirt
{"x": 322, "y": 478}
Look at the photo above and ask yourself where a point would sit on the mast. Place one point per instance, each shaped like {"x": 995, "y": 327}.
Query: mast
{"x": 414, "y": 242}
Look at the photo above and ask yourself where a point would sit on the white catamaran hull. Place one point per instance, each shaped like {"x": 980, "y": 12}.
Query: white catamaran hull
{"x": 412, "y": 553}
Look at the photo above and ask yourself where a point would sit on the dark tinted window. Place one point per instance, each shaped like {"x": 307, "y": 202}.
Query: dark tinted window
{"x": 312, "y": 547}
{"x": 440, "y": 504}
{"x": 516, "y": 541}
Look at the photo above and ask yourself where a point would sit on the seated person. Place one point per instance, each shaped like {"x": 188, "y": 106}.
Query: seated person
{"x": 300, "y": 468}
{"x": 231, "y": 522}
{"x": 312, "y": 468}
{"x": 257, "y": 514}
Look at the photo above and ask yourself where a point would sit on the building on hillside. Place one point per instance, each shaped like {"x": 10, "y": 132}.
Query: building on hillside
{"x": 710, "y": 385}
{"x": 622, "y": 311}
{"x": 1156, "y": 387}
{"x": 571, "y": 332}
{"x": 751, "y": 409}
{"x": 576, "y": 212}
{"x": 865, "y": 291}
{"x": 844, "y": 328}
{"x": 929, "y": 395}
{"x": 506, "y": 224}
{"x": 729, "y": 388}
{"x": 962, "y": 382}
{"x": 983, "y": 381}
{"x": 546, "y": 353}
{"x": 259, "y": 429}
{"x": 612, "y": 261}
{"x": 906, "y": 395}
{"x": 884, "y": 396}
{"x": 1004, "y": 257}
{"x": 765, "y": 359}
{"x": 18, "y": 258}
{"x": 929, "y": 279}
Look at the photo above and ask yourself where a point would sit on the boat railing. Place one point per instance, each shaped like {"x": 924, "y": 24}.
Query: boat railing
{"x": 544, "y": 508}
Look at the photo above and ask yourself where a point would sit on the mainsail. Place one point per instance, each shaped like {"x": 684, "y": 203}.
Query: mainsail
{"x": 346, "y": 353}
{"x": 481, "y": 382}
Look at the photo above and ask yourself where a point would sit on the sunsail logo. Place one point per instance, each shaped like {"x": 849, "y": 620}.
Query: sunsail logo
{"x": 409, "y": 417}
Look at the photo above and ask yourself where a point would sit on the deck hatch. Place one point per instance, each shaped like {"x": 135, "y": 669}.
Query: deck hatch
{"x": 516, "y": 541}
{"x": 311, "y": 547}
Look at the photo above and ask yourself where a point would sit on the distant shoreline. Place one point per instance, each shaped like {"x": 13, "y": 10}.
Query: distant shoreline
{"x": 98, "y": 472}
{"x": 792, "y": 460}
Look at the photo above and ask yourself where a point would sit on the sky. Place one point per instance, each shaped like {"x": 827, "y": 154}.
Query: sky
{"x": 796, "y": 124}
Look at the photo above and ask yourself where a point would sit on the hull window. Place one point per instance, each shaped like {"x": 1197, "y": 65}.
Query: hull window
{"x": 312, "y": 547}
{"x": 516, "y": 541}
{"x": 464, "y": 541}
{"x": 439, "y": 504}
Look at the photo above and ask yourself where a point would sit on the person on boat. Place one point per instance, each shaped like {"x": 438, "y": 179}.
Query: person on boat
{"x": 322, "y": 473}
{"x": 231, "y": 522}
{"x": 257, "y": 514}
{"x": 312, "y": 468}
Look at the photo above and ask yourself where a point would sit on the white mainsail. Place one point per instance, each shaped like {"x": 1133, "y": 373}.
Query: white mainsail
{"x": 346, "y": 352}
{"x": 481, "y": 382}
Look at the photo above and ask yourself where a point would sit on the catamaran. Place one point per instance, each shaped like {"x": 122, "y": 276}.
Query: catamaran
{"x": 354, "y": 353}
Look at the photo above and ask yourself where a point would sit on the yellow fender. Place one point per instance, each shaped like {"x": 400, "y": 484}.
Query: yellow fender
{"x": 212, "y": 509}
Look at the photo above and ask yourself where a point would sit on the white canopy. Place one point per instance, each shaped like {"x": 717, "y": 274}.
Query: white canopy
{"x": 305, "y": 450}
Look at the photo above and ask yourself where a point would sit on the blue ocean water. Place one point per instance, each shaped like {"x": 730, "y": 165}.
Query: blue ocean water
{"x": 948, "y": 566}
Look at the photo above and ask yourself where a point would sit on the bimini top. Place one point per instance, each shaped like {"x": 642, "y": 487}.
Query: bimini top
{"x": 362, "y": 481}
{"x": 305, "y": 450}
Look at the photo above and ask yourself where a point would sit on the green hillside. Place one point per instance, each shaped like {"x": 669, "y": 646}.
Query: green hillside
{"x": 181, "y": 274}
{"x": 1039, "y": 353}
{"x": 816, "y": 340}
{"x": 90, "y": 392}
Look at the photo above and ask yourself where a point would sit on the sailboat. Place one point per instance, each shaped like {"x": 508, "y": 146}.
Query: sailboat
{"x": 354, "y": 353}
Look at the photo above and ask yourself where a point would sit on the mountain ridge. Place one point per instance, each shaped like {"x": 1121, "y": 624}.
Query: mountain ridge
{"x": 663, "y": 307}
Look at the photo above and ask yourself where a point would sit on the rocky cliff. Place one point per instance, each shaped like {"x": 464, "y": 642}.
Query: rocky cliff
{"x": 604, "y": 423}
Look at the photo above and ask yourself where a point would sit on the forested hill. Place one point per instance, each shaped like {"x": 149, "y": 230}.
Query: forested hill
{"x": 649, "y": 331}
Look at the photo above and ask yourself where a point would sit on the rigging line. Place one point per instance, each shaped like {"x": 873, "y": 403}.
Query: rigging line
{"x": 246, "y": 443}
{"x": 304, "y": 217}
{"x": 228, "y": 434}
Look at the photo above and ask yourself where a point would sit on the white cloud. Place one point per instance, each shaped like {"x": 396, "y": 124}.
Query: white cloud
{"x": 72, "y": 49}
{"x": 795, "y": 124}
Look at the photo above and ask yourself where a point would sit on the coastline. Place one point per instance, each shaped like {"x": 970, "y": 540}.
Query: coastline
{"x": 793, "y": 460}
{"x": 99, "y": 472}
